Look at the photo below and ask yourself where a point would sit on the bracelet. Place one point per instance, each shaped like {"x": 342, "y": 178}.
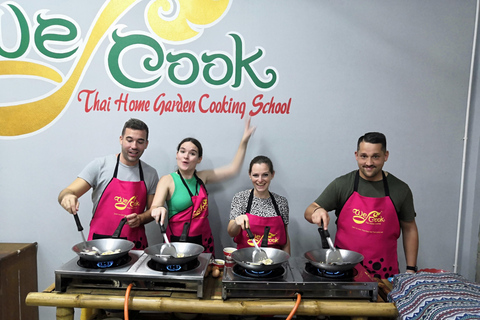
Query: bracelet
{"x": 316, "y": 209}
{"x": 412, "y": 268}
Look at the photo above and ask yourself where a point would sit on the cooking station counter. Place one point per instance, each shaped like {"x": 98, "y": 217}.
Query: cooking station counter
{"x": 210, "y": 299}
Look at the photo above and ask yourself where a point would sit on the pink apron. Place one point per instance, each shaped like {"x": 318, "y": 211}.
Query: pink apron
{"x": 371, "y": 227}
{"x": 196, "y": 215}
{"x": 277, "y": 236}
{"x": 119, "y": 199}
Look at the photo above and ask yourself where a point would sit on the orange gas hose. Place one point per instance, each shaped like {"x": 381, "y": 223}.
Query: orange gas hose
{"x": 125, "y": 304}
{"x": 292, "y": 313}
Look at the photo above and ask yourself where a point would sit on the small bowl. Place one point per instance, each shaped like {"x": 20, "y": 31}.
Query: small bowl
{"x": 228, "y": 252}
{"x": 219, "y": 263}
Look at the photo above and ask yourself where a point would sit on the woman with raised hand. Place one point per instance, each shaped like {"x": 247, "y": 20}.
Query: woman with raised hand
{"x": 185, "y": 194}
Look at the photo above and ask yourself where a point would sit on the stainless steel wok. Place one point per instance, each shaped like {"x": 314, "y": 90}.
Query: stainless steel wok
{"x": 113, "y": 244}
{"x": 189, "y": 251}
{"x": 318, "y": 257}
{"x": 104, "y": 245}
{"x": 244, "y": 258}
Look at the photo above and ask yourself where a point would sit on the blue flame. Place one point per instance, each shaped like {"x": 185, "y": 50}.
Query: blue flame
{"x": 174, "y": 267}
{"x": 105, "y": 264}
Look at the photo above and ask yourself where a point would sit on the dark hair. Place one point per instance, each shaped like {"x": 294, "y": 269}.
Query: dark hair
{"x": 195, "y": 142}
{"x": 260, "y": 160}
{"x": 135, "y": 124}
{"x": 373, "y": 137}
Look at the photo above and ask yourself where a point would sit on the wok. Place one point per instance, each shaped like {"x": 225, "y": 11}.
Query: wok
{"x": 243, "y": 257}
{"x": 103, "y": 245}
{"x": 318, "y": 257}
{"x": 190, "y": 250}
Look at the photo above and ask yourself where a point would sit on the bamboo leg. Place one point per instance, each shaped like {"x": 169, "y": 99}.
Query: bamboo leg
{"x": 88, "y": 313}
{"x": 65, "y": 313}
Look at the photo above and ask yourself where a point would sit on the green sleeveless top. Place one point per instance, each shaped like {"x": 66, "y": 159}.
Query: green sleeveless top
{"x": 180, "y": 199}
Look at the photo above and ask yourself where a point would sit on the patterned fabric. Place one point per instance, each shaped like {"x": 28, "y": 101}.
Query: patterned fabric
{"x": 260, "y": 207}
{"x": 435, "y": 296}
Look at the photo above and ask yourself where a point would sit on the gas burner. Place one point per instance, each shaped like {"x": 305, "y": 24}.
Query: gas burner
{"x": 118, "y": 262}
{"x": 71, "y": 276}
{"x": 337, "y": 275}
{"x": 260, "y": 274}
{"x": 190, "y": 265}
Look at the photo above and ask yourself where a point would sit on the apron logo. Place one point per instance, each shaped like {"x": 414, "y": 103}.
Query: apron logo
{"x": 272, "y": 239}
{"x": 123, "y": 203}
{"x": 373, "y": 217}
{"x": 202, "y": 208}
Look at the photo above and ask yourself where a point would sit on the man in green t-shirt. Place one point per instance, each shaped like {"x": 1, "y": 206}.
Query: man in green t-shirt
{"x": 372, "y": 207}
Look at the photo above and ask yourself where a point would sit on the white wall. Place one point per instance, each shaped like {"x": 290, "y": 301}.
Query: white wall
{"x": 349, "y": 67}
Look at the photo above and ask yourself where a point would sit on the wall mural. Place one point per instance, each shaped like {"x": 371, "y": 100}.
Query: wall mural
{"x": 56, "y": 37}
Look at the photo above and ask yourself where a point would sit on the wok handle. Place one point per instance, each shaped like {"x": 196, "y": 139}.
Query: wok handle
{"x": 252, "y": 237}
{"x": 324, "y": 234}
{"x": 265, "y": 237}
{"x": 249, "y": 232}
{"x": 162, "y": 228}
{"x": 77, "y": 221}
{"x": 186, "y": 228}
{"x": 117, "y": 232}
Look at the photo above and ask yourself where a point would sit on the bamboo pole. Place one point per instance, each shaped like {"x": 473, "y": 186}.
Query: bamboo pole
{"x": 234, "y": 307}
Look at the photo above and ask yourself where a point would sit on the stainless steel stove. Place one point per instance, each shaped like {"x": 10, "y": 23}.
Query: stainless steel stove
{"x": 295, "y": 278}
{"x": 236, "y": 284}
{"x": 139, "y": 270}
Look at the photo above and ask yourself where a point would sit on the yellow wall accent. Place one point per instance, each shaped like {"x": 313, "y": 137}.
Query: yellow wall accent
{"x": 26, "y": 68}
{"x": 29, "y": 117}
{"x": 199, "y": 12}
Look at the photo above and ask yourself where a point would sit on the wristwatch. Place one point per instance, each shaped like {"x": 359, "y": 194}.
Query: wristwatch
{"x": 412, "y": 268}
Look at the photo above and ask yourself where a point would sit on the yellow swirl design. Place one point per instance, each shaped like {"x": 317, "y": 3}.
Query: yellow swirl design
{"x": 26, "y": 68}
{"x": 29, "y": 117}
{"x": 360, "y": 219}
{"x": 203, "y": 206}
{"x": 197, "y": 12}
